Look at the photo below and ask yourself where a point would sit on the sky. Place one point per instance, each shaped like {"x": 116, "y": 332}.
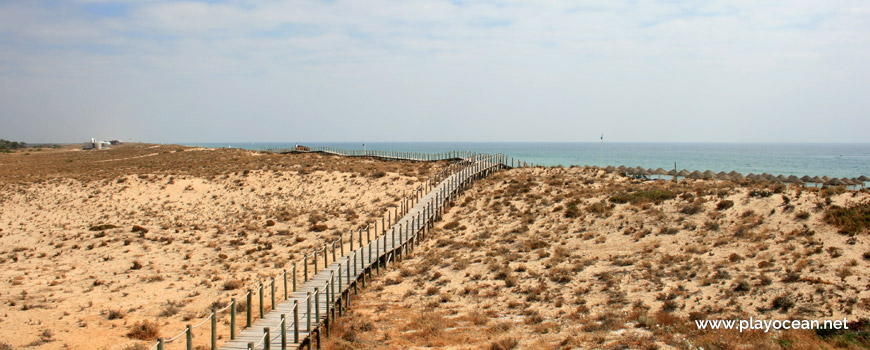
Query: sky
{"x": 415, "y": 70}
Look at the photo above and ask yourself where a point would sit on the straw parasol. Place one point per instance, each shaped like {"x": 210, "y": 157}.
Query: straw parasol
{"x": 660, "y": 172}
{"x": 722, "y": 175}
{"x": 834, "y": 182}
{"x": 708, "y": 174}
{"x": 609, "y": 168}
{"x": 738, "y": 177}
{"x": 793, "y": 179}
{"x": 863, "y": 178}
{"x": 696, "y": 175}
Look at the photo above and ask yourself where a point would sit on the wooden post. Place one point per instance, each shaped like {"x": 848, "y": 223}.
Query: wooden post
{"x": 159, "y": 343}
{"x": 294, "y": 276}
{"x": 261, "y": 300}
{"x": 295, "y": 321}
{"x": 377, "y": 257}
{"x": 248, "y": 308}
{"x": 233, "y": 319}
{"x": 341, "y": 244}
{"x": 308, "y": 312}
{"x": 283, "y": 332}
{"x": 316, "y": 305}
{"x": 305, "y": 267}
{"x": 273, "y": 293}
{"x": 189, "y": 337}
{"x": 267, "y": 344}
{"x": 250, "y": 345}
{"x": 325, "y": 260}
{"x": 285, "y": 284}
{"x": 333, "y": 252}
{"x": 315, "y": 262}
{"x": 213, "y": 329}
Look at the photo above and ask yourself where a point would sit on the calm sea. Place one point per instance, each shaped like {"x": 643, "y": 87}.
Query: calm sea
{"x": 835, "y": 160}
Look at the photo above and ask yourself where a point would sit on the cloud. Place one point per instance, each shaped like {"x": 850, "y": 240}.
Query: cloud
{"x": 231, "y": 70}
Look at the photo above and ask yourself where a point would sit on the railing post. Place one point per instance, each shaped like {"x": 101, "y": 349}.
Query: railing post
{"x": 294, "y": 276}
{"x": 213, "y": 329}
{"x": 295, "y": 321}
{"x": 248, "y": 309}
{"x": 260, "y": 288}
{"x": 316, "y": 305}
{"x": 377, "y": 256}
{"x": 189, "y": 337}
{"x": 341, "y": 245}
{"x": 325, "y": 260}
{"x": 233, "y": 319}
{"x": 159, "y": 343}
{"x": 283, "y": 332}
{"x": 250, "y": 346}
{"x": 305, "y": 267}
{"x": 315, "y": 262}
{"x": 273, "y": 293}
{"x": 285, "y": 284}
{"x": 308, "y": 312}
{"x": 267, "y": 345}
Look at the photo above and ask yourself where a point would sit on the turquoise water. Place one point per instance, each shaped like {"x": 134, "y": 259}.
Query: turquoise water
{"x": 835, "y": 160}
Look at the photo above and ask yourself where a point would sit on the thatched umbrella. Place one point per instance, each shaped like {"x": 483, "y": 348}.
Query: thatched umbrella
{"x": 672, "y": 172}
{"x": 640, "y": 171}
{"x": 834, "y": 182}
{"x": 818, "y": 181}
{"x": 733, "y": 173}
{"x": 696, "y": 175}
{"x": 659, "y": 172}
{"x": 793, "y": 179}
{"x": 738, "y": 178}
{"x": 751, "y": 177}
{"x": 863, "y": 178}
{"x": 722, "y": 175}
{"x": 708, "y": 174}
{"x": 609, "y": 168}
{"x": 683, "y": 173}
{"x": 806, "y": 178}
{"x": 781, "y": 178}
{"x": 767, "y": 177}
{"x": 826, "y": 179}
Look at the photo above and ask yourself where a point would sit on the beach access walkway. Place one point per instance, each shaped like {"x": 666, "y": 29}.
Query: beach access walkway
{"x": 304, "y": 313}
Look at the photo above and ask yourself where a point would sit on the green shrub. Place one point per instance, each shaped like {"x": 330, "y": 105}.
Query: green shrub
{"x": 850, "y": 220}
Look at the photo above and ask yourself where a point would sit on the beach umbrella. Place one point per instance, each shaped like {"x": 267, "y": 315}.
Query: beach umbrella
{"x": 806, "y": 178}
{"x": 826, "y": 179}
{"x": 708, "y": 174}
{"x": 640, "y": 171}
{"x": 650, "y": 171}
{"x": 767, "y": 177}
{"x": 834, "y": 182}
{"x": 696, "y": 175}
{"x": 660, "y": 172}
{"x": 722, "y": 175}
{"x": 672, "y": 172}
{"x": 621, "y": 169}
{"x": 683, "y": 173}
{"x": 818, "y": 181}
{"x": 738, "y": 177}
{"x": 863, "y": 178}
{"x": 610, "y": 168}
{"x": 752, "y": 177}
{"x": 793, "y": 179}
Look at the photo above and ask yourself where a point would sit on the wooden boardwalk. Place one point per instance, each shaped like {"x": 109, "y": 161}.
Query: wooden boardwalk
{"x": 299, "y": 320}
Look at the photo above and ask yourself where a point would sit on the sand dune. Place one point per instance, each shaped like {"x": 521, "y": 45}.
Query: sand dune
{"x": 579, "y": 258}
{"x": 217, "y": 221}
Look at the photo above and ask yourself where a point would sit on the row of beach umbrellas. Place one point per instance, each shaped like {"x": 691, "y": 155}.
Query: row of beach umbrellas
{"x": 735, "y": 176}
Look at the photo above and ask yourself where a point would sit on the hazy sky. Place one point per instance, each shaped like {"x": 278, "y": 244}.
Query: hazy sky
{"x": 412, "y": 70}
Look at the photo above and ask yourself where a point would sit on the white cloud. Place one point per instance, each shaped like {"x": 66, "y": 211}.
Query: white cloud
{"x": 544, "y": 70}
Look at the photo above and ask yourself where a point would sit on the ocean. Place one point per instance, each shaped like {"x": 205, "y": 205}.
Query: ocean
{"x": 813, "y": 159}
